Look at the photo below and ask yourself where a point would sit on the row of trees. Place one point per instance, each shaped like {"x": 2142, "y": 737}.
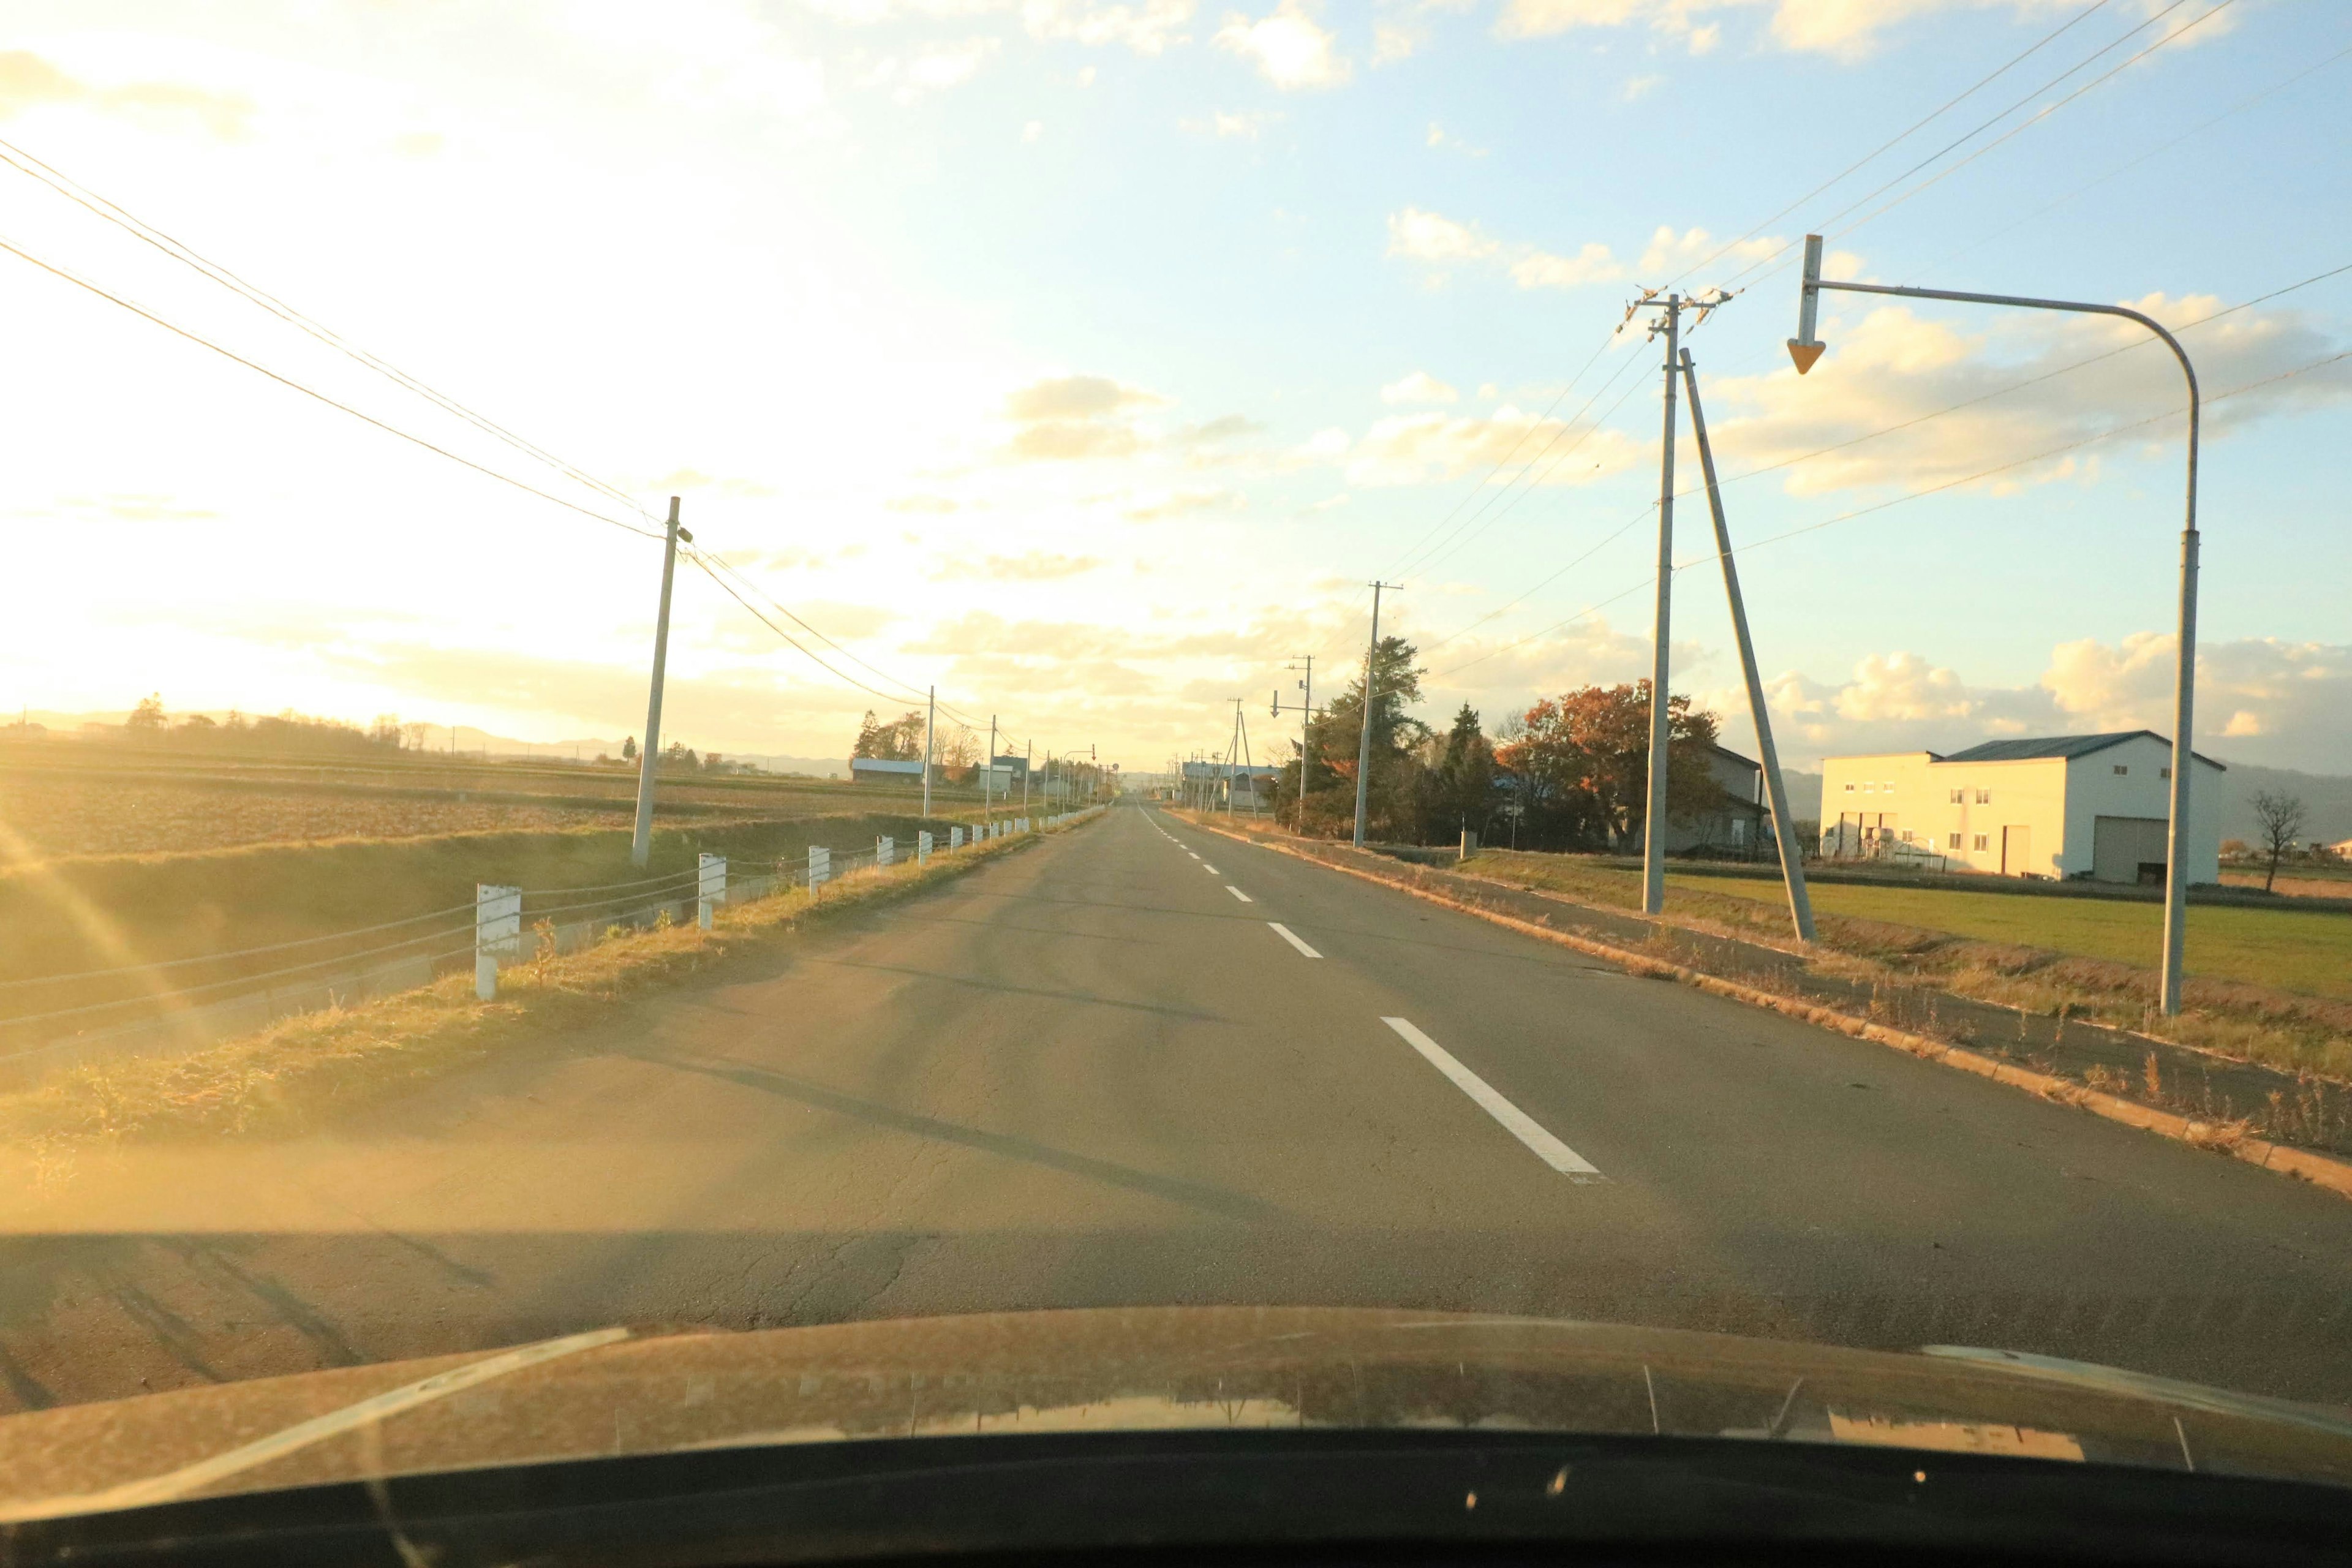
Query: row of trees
{"x": 955, "y": 750}
{"x": 1570, "y": 772}
{"x": 276, "y": 733}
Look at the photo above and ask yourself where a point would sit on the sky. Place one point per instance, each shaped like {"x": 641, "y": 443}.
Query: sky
{"x": 1085, "y": 359}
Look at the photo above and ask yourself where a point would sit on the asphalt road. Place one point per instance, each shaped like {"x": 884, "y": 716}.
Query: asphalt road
{"x": 1144, "y": 1064}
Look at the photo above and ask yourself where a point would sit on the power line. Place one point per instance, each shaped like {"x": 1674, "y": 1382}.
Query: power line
{"x": 1518, "y": 496}
{"x": 2021, "y": 128}
{"x": 2030, "y": 381}
{"x": 1884, "y": 147}
{"x": 696, "y": 559}
{"x": 130, "y": 223}
{"x": 1893, "y": 501}
{"x": 1500, "y": 463}
{"x": 1990, "y": 121}
{"x": 178, "y": 330}
{"x": 1432, "y": 551}
{"x": 2238, "y": 108}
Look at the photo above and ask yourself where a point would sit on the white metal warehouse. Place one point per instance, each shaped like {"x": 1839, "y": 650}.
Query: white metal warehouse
{"x": 2091, "y": 806}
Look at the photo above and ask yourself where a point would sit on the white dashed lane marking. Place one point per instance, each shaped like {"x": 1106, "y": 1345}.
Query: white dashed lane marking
{"x": 1285, "y": 933}
{"x": 1239, "y": 894}
{"x": 1522, "y": 1126}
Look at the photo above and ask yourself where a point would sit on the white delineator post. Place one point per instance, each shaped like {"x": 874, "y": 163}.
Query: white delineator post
{"x": 709, "y": 889}
{"x": 955, "y": 838}
{"x": 820, "y": 867}
{"x": 498, "y": 928}
{"x": 886, "y": 851}
{"x": 923, "y": 848}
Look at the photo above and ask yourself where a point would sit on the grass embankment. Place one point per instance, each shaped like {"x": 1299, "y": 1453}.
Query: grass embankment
{"x": 2266, "y": 986}
{"x": 103, "y": 912}
{"x": 308, "y": 1069}
{"x": 2294, "y": 950}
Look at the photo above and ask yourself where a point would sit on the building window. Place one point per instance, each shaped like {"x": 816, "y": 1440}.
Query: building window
{"x": 1888, "y": 786}
{"x": 1984, "y": 797}
{"x": 1959, "y": 797}
{"x": 2121, "y": 770}
{"x": 1952, "y": 841}
{"x": 1981, "y": 841}
{"x": 1849, "y": 789}
{"x": 1907, "y": 836}
{"x": 2164, "y": 772}
{"x": 1870, "y": 789}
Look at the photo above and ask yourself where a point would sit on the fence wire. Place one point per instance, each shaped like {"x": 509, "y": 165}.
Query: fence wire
{"x": 595, "y": 912}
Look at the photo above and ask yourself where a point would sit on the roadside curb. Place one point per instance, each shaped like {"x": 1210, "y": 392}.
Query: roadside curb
{"x": 2319, "y": 1170}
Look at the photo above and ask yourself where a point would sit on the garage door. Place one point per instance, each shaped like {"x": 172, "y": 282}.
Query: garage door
{"x": 2127, "y": 849}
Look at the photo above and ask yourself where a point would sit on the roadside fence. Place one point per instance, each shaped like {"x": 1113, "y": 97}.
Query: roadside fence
{"x": 54, "y": 1022}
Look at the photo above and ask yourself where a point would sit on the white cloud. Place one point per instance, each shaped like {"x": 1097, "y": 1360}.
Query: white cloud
{"x": 1439, "y": 137}
{"x": 1068, "y": 419}
{"x": 1670, "y": 253}
{"x": 1247, "y": 125}
{"x": 2278, "y": 703}
{"x": 1419, "y": 387}
{"x": 28, "y": 82}
{"x": 934, "y": 69}
{"x": 1031, "y": 566}
{"x": 1426, "y": 237}
{"x": 1033, "y": 130}
{"x": 1415, "y": 448}
{"x": 1540, "y": 270}
{"x": 1846, "y": 30}
{"x": 1290, "y": 47}
{"x": 1421, "y": 235}
{"x": 1179, "y": 503}
{"x": 1147, "y": 27}
{"x": 1638, "y": 85}
{"x": 1893, "y": 366}
{"x": 1391, "y": 43}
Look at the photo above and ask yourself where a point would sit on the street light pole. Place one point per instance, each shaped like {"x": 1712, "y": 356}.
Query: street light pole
{"x": 641, "y": 842}
{"x": 1806, "y": 348}
{"x": 1305, "y": 711}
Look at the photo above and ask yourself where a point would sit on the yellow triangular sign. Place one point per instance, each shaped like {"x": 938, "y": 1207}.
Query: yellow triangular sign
{"x": 1805, "y": 355}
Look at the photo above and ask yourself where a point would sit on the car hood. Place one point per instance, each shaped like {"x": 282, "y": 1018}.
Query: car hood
{"x": 616, "y": 1392}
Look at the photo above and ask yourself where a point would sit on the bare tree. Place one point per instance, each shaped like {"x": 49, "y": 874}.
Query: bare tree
{"x": 2281, "y": 816}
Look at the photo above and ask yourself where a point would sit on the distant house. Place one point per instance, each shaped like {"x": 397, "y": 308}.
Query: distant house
{"x": 881, "y": 770}
{"x": 1739, "y": 825}
{"x": 1252, "y": 786}
{"x": 2094, "y": 806}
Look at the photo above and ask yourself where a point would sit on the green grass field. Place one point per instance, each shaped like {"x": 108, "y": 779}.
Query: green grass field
{"x": 2305, "y": 951}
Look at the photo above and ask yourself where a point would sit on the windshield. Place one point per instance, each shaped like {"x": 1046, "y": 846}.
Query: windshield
{"x": 776, "y": 664}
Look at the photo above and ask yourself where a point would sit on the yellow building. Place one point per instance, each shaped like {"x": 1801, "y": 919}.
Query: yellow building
{"x": 2092, "y": 806}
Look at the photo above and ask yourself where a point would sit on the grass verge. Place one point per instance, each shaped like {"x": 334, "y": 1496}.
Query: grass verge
{"x": 312, "y": 1068}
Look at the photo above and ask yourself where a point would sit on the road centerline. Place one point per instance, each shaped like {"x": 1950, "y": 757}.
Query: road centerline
{"x": 1239, "y": 894}
{"x": 1518, "y": 1122}
{"x": 1286, "y": 934}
